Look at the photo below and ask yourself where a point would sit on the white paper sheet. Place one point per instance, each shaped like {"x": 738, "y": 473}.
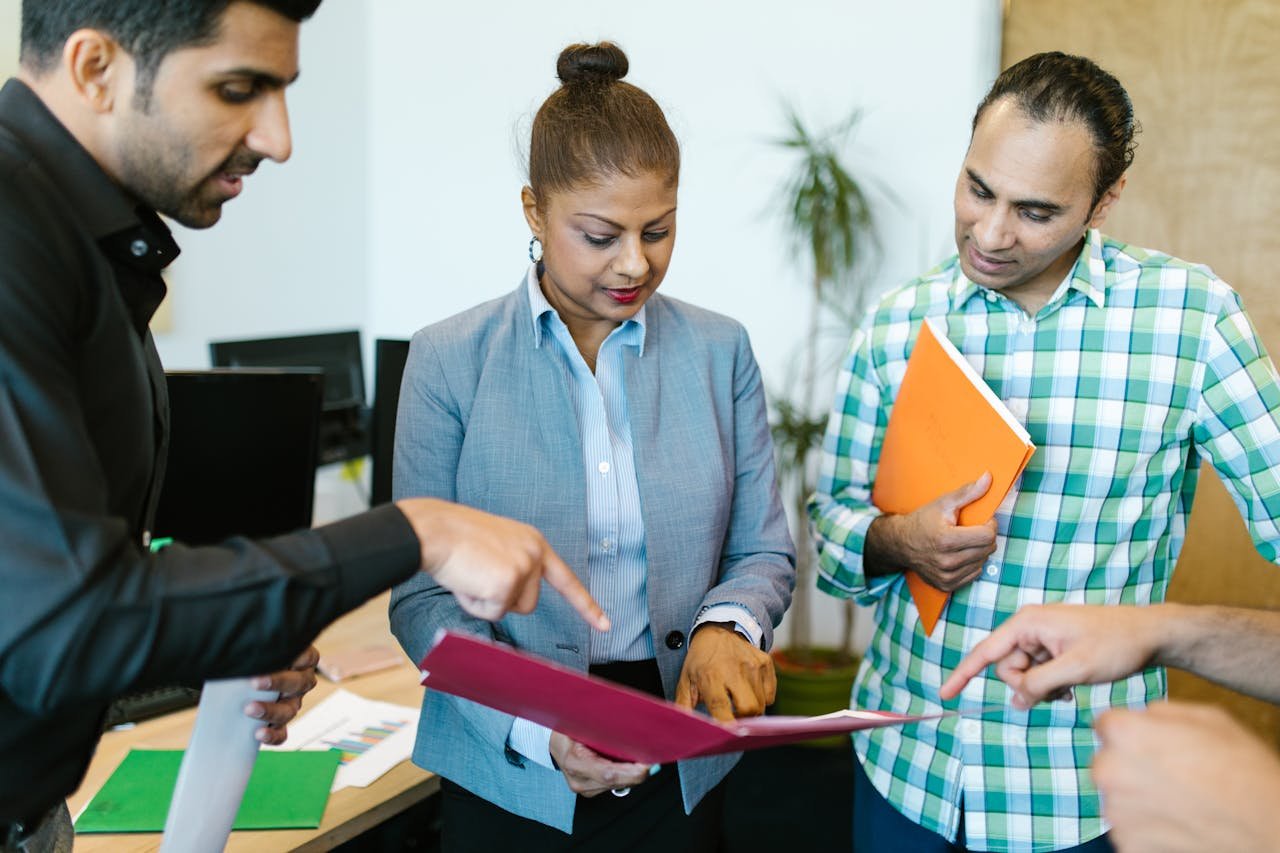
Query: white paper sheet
{"x": 215, "y": 768}
{"x": 373, "y": 736}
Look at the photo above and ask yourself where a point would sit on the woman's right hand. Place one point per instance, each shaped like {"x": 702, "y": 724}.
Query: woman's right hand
{"x": 588, "y": 772}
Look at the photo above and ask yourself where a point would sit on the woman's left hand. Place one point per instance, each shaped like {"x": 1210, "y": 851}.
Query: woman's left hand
{"x": 726, "y": 673}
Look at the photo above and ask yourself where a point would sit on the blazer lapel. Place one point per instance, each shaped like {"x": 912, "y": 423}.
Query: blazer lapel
{"x": 546, "y": 400}
{"x": 659, "y": 508}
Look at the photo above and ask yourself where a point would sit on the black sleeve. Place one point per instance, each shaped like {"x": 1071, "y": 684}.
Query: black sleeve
{"x": 89, "y": 613}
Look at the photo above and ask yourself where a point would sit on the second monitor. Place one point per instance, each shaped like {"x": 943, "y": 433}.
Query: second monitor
{"x": 344, "y": 427}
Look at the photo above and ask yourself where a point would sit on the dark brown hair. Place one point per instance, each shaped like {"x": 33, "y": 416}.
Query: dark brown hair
{"x": 149, "y": 30}
{"x": 595, "y": 125}
{"x": 1057, "y": 86}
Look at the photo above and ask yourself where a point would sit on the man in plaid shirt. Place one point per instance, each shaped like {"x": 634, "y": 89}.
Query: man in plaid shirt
{"x": 1127, "y": 367}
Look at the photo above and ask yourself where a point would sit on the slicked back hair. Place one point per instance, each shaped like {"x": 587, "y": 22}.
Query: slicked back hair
{"x": 1057, "y": 86}
{"x": 147, "y": 29}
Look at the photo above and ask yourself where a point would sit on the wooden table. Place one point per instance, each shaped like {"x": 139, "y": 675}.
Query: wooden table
{"x": 350, "y": 811}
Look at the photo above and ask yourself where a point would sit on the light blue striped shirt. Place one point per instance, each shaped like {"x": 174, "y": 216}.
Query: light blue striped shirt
{"x": 616, "y": 562}
{"x": 615, "y": 528}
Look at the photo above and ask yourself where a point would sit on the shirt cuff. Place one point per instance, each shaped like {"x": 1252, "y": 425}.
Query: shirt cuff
{"x": 841, "y": 550}
{"x": 373, "y": 551}
{"x": 743, "y": 622}
{"x": 532, "y": 741}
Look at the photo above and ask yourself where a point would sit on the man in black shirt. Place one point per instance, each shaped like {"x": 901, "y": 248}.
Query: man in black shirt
{"x": 124, "y": 108}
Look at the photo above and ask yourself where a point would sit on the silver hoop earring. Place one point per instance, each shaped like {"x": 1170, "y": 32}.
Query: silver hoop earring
{"x": 534, "y": 242}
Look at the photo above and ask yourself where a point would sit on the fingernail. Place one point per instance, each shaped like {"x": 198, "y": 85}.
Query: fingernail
{"x": 255, "y": 710}
{"x": 262, "y": 682}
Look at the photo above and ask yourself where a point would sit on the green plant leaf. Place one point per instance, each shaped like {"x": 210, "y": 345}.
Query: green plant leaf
{"x": 829, "y": 220}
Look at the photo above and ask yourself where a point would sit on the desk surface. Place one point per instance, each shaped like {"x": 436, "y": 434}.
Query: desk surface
{"x": 350, "y": 811}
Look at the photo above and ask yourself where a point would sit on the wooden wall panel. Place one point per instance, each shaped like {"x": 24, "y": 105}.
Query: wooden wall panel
{"x": 1204, "y": 76}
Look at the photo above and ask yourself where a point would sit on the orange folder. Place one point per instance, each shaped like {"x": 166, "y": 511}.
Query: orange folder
{"x": 945, "y": 429}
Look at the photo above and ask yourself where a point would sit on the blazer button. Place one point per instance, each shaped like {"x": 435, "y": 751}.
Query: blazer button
{"x": 675, "y": 640}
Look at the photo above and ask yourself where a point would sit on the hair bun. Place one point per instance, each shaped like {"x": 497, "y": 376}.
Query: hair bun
{"x": 591, "y": 63}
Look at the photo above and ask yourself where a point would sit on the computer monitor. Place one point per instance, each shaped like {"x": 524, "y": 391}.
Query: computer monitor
{"x": 242, "y": 453}
{"x": 344, "y": 427}
{"x": 388, "y": 367}
{"x": 242, "y": 461}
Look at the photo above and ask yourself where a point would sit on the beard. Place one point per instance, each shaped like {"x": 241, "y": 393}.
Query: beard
{"x": 157, "y": 172}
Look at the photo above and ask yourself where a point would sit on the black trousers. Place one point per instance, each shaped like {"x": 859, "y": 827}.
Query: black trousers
{"x": 651, "y": 817}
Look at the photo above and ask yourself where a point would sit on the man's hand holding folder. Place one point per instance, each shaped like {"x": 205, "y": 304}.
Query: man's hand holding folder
{"x": 951, "y": 453}
{"x": 932, "y": 541}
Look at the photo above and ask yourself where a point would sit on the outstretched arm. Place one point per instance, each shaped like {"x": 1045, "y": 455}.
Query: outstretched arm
{"x": 492, "y": 564}
{"x": 1044, "y": 650}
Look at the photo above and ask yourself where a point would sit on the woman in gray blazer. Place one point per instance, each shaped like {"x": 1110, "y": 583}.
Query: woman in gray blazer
{"x": 630, "y": 428}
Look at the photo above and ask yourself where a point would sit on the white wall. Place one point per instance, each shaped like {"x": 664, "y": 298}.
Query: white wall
{"x": 9, "y": 29}
{"x": 454, "y": 88}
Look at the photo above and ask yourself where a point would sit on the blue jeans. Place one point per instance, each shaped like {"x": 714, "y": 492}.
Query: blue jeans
{"x": 880, "y": 828}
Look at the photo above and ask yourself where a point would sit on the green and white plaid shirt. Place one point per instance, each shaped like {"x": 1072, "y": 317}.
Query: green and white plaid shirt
{"x": 1139, "y": 365}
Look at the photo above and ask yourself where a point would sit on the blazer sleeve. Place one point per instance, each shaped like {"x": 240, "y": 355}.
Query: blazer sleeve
{"x": 757, "y": 561}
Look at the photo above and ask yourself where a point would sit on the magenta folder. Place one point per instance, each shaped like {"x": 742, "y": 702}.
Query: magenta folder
{"x": 613, "y": 720}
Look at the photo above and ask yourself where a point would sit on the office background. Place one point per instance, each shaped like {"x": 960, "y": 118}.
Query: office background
{"x": 400, "y": 205}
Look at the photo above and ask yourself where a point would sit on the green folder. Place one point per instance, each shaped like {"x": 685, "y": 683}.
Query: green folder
{"x": 287, "y": 790}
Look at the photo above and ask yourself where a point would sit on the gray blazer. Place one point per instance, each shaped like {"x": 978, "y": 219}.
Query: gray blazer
{"x": 486, "y": 419}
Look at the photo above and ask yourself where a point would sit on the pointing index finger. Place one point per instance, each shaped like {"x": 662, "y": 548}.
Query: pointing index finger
{"x": 987, "y": 652}
{"x": 564, "y": 581}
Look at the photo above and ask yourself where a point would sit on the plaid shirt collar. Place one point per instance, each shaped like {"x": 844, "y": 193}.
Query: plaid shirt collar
{"x": 1088, "y": 276}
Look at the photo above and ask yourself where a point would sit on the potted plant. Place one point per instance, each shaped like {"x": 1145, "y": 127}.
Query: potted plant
{"x": 829, "y": 220}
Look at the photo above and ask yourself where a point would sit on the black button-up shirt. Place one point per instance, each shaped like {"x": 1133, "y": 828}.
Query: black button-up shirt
{"x": 87, "y": 612}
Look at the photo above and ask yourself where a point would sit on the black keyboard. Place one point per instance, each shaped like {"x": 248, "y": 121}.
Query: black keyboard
{"x": 145, "y": 704}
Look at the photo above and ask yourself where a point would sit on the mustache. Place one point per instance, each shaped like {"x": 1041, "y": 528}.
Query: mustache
{"x": 241, "y": 162}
